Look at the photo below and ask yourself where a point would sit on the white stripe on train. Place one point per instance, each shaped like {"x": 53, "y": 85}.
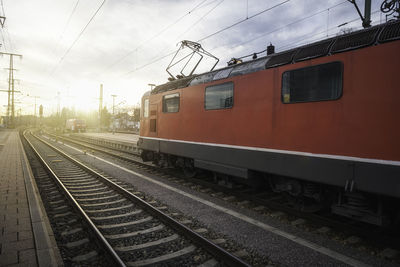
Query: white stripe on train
{"x": 299, "y": 153}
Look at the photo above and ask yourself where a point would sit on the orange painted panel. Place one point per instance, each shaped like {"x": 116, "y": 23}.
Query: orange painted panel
{"x": 364, "y": 122}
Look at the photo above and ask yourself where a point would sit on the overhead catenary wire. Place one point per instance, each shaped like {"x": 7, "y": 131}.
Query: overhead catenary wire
{"x": 2, "y": 34}
{"x": 219, "y": 2}
{"x": 154, "y": 36}
{"x": 243, "y": 20}
{"x": 79, "y": 35}
{"x": 285, "y": 26}
{"x": 303, "y": 41}
{"x": 201, "y": 18}
{"x": 4, "y": 42}
{"x": 66, "y": 25}
{"x": 6, "y": 29}
{"x": 150, "y": 63}
{"x": 292, "y": 23}
{"x": 208, "y": 36}
{"x": 69, "y": 18}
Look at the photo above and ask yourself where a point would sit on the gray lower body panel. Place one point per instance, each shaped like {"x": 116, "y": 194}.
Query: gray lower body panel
{"x": 369, "y": 177}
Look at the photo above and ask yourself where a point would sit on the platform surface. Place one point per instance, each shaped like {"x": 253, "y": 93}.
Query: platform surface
{"x": 25, "y": 235}
{"x": 131, "y": 138}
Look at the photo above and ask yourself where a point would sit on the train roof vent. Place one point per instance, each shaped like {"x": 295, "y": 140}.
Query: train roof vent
{"x": 390, "y": 32}
{"x": 250, "y": 66}
{"x": 313, "y": 50}
{"x": 281, "y": 58}
{"x": 176, "y": 84}
{"x": 203, "y": 78}
{"x": 355, "y": 40}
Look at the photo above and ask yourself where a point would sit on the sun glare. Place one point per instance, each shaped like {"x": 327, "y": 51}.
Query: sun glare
{"x": 80, "y": 98}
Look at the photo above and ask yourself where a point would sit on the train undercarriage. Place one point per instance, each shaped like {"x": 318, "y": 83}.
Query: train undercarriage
{"x": 300, "y": 194}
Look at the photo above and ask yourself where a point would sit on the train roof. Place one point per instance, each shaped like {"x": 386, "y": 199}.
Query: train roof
{"x": 382, "y": 33}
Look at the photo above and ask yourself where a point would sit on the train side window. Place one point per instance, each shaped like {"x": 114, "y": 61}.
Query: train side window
{"x": 146, "y": 107}
{"x": 219, "y": 96}
{"x": 171, "y": 103}
{"x": 315, "y": 83}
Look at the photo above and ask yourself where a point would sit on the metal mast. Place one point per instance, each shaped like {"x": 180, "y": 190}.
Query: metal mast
{"x": 10, "y": 104}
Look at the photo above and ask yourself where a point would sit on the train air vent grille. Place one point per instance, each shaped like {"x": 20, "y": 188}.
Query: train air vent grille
{"x": 314, "y": 50}
{"x": 391, "y": 32}
{"x": 281, "y": 59}
{"x": 355, "y": 40}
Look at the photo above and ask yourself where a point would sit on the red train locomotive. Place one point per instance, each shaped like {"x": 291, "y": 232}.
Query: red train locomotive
{"x": 319, "y": 122}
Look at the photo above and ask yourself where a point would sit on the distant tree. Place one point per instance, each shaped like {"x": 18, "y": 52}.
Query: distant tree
{"x": 136, "y": 114}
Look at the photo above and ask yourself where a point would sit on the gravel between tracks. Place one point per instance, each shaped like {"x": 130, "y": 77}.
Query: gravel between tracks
{"x": 280, "y": 250}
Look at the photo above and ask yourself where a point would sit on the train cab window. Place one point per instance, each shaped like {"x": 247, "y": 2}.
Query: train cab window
{"x": 146, "y": 106}
{"x": 219, "y": 96}
{"x": 171, "y": 103}
{"x": 315, "y": 83}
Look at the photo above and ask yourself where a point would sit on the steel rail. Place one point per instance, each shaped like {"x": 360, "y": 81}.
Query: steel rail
{"x": 102, "y": 149}
{"x": 322, "y": 219}
{"x": 103, "y": 241}
{"x": 204, "y": 243}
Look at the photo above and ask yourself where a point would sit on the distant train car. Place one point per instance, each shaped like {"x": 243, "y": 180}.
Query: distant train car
{"x": 319, "y": 123}
{"x": 75, "y": 125}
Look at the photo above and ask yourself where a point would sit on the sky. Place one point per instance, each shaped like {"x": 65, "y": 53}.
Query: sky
{"x": 70, "y": 47}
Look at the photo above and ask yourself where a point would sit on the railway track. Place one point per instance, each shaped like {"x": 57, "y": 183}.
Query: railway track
{"x": 132, "y": 231}
{"x": 270, "y": 203}
{"x": 91, "y": 146}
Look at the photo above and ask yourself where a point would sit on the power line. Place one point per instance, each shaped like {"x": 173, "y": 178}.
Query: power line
{"x": 243, "y": 20}
{"x": 4, "y": 42}
{"x": 155, "y": 35}
{"x": 191, "y": 26}
{"x": 280, "y": 28}
{"x": 66, "y": 25}
{"x": 206, "y": 37}
{"x": 301, "y": 41}
{"x": 285, "y": 26}
{"x": 80, "y": 34}
{"x": 69, "y": 18}
{"x": 2, "y": 35}
{"x": 151, "y": 62}
{"x": 8, "y": 34}
{"x": 292, "y": 23}
{"x": 201, "y": 18}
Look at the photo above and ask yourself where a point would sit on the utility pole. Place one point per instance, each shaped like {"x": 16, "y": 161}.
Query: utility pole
{"x": 34, "y": 113}
{"x": 58, "y": 124}
{"x": 366, "y": 19}
{"x": 35, "y": 110}
{"x": 113, "y": 96}
{"x": 10, "y": 104}
{"x": 100, "y": 105}
{"x": 58, "y": 103}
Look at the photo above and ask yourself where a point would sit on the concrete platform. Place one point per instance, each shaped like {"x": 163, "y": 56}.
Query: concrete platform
{"x": 122, "y": 141}
{"x": 26, "y": 238}
{"x": 130, "y": 138}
